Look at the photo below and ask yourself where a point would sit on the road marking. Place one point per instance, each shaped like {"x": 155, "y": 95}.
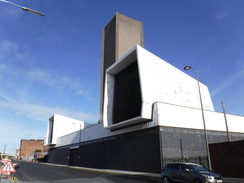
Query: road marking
{"x": 15, "y": 179}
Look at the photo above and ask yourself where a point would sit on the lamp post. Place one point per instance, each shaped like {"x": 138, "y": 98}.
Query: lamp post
{"x": 203, "y": 119}
{"x": 80, "y": 131}
{"x": 4, "y": 150}
{"x": 24, "y": 8}
{"x": 79, "y": 140}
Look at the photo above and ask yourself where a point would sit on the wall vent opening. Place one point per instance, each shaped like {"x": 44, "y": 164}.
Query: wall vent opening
{"x": 127, "y": 94}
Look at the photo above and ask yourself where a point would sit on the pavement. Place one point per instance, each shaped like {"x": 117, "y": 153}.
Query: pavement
{"x": 233, "y": 180}
{"x": 156, "y": 175}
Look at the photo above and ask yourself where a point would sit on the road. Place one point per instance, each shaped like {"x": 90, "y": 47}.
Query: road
{"x": 43, "y": 173}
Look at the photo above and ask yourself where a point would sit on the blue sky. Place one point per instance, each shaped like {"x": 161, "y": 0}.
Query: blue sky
{"x": 52, "y": 64}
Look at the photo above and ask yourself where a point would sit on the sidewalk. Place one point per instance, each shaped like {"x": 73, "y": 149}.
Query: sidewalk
{"x": 233, "y": 180}
{"x": 6, "y": 180}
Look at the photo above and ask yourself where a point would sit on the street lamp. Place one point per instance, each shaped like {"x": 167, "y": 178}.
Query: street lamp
{"x": 80, "y": 131}
{"x": 204, "y": 125}
{"x": 79, "y": 138}
{"x": 24, "y": 8}
{"x": 4, "y": 150}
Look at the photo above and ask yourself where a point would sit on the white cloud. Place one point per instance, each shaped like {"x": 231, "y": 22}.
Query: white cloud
{"x": 8, "y": 46}
{"x": 221, "y": 14}
{"x": 10, "y": 11}
{"x": 49, "y": 78}
{"x": 27, "y": 73}
{"x": 21, "y": 83}
{"x": 40, "y": 112}
{"x": 228, "y": 82}
{"x": 57, "y": 81}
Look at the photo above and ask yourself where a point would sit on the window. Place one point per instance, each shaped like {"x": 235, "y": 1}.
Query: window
{"x": 173, "y": 166}
{"x": 183, "y": 167}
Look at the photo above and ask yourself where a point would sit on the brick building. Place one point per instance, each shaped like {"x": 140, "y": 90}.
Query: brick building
{"x": 28, "y": 148}
{"x": 227, "y": 158}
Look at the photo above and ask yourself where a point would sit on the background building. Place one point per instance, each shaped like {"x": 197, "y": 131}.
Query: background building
{"x": 17, "y": 153}
{"x": 28, "y": 147}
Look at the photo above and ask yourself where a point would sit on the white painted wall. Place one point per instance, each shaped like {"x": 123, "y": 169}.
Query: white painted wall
{"x": 97, "y": 132}
{"x": 166, "y": 115}
{"x": 62, "y": 125}
{"x": 160, "y": 82}
{"x": 186, "y": 117}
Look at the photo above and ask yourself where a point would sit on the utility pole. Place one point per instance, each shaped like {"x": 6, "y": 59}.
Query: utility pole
{"x": 227, "y": 129}
{"x": 4, "y": 149}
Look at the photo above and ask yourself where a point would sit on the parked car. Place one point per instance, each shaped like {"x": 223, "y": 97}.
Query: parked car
{"x": 188, "y": 173}
{"x": 16, "y": 165}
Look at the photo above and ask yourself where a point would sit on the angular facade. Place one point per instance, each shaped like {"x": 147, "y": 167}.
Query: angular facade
{"x": 151, "y": 115}
{"x": 146, "y": 79}
{"x": 164, "y": 123}
{"x": 59, "y": 125}
{"x": 120, "y": 35}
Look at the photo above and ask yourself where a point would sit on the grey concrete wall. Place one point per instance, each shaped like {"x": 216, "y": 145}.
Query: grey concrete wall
{"x": 120, "y": 35}
{"x": 136, "y": 151}
{"x": 59, "y": 156}
{"x": 193, "y": 143}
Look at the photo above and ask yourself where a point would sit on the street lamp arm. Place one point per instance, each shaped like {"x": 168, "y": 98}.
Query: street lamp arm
{"x": 32, "y": 11}
{"x": 11, "y": 3}
{"x": 24, "y": 8}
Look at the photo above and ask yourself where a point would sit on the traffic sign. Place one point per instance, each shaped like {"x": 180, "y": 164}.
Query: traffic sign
{"x": 8, "y": 167}
{"x": 5, "y": 160}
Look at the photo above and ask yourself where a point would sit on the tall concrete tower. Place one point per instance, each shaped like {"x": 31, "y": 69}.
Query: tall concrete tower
{"x": 120, "y": 35}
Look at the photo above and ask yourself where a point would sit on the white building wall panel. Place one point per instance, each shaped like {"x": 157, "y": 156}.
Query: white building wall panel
{"x": 159, "y": 82}
{"x": 166, "y": 115}
{"x": 61, "y": 125}
{"x": 98, "y": 131}
{"x": 185, "y": 117}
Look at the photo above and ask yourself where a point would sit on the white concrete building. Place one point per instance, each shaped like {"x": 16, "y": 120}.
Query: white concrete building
{"x": 59, "y": 126}
{"x": 150, "y": 107}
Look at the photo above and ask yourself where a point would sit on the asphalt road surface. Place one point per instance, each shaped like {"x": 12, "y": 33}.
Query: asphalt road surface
{"x": 43, "y": 173}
